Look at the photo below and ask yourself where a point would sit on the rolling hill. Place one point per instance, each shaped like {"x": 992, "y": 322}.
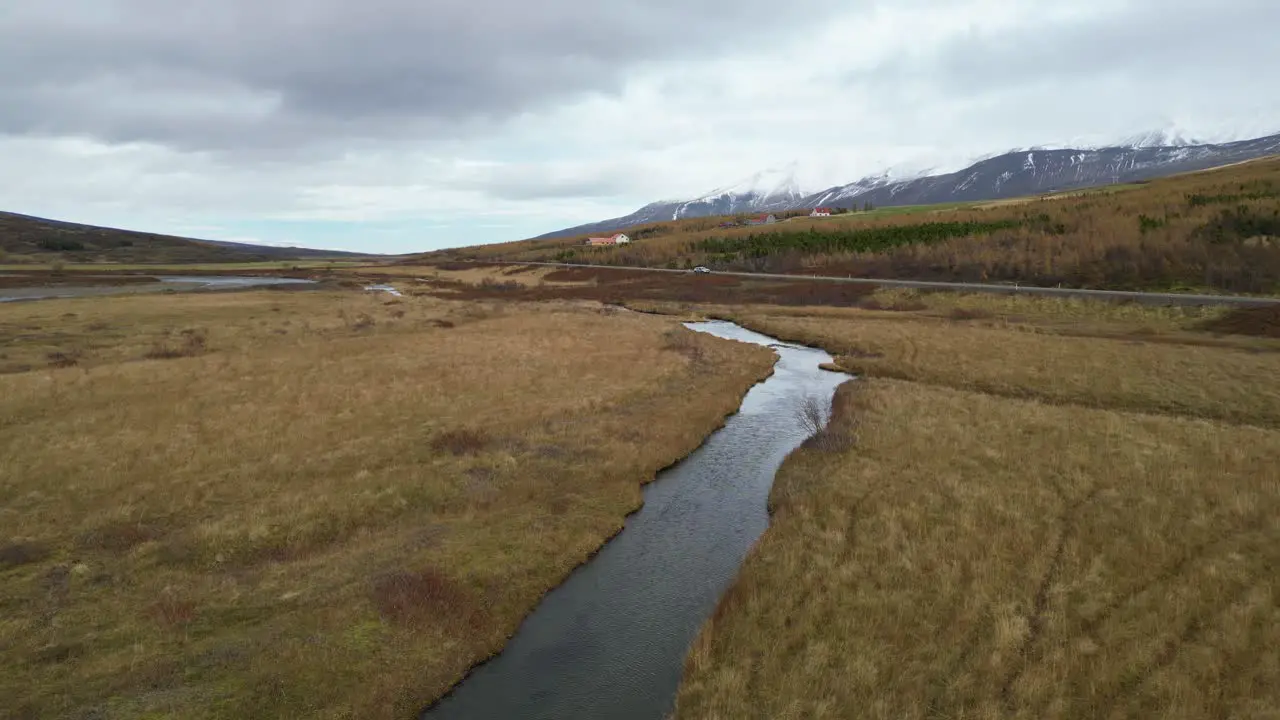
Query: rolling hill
{"x": 1216, "y": 229}
{"x": 26, "y": 238}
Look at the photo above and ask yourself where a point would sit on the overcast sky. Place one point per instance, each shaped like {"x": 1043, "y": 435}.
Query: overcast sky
{"x": 402, "y": 125}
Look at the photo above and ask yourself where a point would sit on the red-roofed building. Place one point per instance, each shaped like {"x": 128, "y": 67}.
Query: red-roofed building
{"x": 615, "y": 239}
{"x": 821, "y": 212}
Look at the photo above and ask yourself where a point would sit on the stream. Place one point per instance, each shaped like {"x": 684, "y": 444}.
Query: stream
{"x": 610, "y": 642}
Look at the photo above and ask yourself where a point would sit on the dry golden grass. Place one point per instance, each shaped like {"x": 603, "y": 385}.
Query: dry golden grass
{"x": 1152, "y": 236}
{"x": 1068, "y": 313}
{"x": 1012, "y": 533}
{"x": 98, "y": 331}
{"x": 1045, "y": 360}
{"x": 523, "y": 275}
{"x": 329, "y": 510}
{"x": 983, "y": 557}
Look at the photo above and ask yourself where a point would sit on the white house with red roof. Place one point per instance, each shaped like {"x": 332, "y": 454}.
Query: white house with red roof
{"x": 615, "y": 239}
{"x": 821, "y": 212}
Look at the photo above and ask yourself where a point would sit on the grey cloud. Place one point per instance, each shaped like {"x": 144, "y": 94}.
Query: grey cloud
{"x": 284, "y": 73}
{"x": 532, "y": 187}
{"x": 519, "y": 182}
{"x": 1141, "y": 40}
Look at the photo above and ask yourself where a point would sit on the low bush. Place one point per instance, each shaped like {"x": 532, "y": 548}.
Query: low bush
{"x": 172, "y": 610}
{"x": 895, "y": 306}
{"x": 414, "y": 598}
{"x": 462, "y": 441}
{"x": 873, "y": 239}
{"x": 193, "y": 343}
{"x": 962, "y": 314}
{"x": 22, "y": 553}
{"x": 826, "y": 431}
{"x": 682, "y": 341}
{"x": 1256, "y": 321}
{"x": 63, "y": 359}
{"x": 1239, "y": 224}
{"x": 490, "y": 283}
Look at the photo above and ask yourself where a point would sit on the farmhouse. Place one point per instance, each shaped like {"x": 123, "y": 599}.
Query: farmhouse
{"x": 821, "y": 212}
{"x": 615, "y": 239}
{"x": 762, "y": 220}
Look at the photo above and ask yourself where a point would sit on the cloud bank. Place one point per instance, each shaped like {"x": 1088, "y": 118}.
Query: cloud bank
{"x": 397, "y": 125}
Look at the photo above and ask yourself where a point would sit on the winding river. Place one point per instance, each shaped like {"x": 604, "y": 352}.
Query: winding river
{"x": 610, "y": 642}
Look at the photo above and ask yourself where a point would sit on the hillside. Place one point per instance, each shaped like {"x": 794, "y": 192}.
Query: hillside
{"x": 1216, "y": 229}
{"x": 30, "y": 239}
{"x": 1012, "y": 174}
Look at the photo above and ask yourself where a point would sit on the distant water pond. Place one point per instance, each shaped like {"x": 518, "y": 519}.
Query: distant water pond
{"x": 111, "y": 285}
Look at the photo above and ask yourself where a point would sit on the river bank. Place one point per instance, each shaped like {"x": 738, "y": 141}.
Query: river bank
{"x": 1033, "y": 515}
{"x": 611, "y": 640}
{"x": 444, "y": 465}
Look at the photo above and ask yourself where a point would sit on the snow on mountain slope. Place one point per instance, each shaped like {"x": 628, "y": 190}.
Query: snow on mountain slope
{"x": 1165, "y": 137}
{"x": 1012, "y": 174}
{"x": 768, "y": 190}
{"x": 1032, "y": 172}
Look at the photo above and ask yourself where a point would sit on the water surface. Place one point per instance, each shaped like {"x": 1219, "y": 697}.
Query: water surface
{"x": 610, "y": 642}
{"x": 166, "y": 282}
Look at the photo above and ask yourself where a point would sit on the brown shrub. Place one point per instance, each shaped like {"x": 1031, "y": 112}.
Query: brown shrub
{"x": 970, "y": 314}
{"x": 895, "y": 306}
{"x": 682, "y": 341}
{"x": 117, "y": 536}
{"x": 908, "y": 306}
{"x": 462, "y": 441}
{"x": 617, "y": 285}
{"x": 172, "y": 610}
{"x": 178, "y": 549}
{"x": 1258, "y": 321}
{"x": 826, "y": 430}
{"x": 63, "y": 359}
{"x": 414, "y": 598}
{"x": 193, "y": 343}
{"x": 22, "y": 553}
{"x": 501, "y": 285}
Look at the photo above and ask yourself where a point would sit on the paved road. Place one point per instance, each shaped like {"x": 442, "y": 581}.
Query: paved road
{"x": 1142, "y": 297}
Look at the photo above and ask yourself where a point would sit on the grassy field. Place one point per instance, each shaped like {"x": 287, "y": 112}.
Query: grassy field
{"x": 1145, "y": 371}
{"x": 314, "y": 504}
{"x": 1014, "y": 514}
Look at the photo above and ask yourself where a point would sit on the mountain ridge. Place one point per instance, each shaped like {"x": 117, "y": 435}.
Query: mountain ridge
{"x": 1014, "y": 173}
{"x": 28, "y": 236}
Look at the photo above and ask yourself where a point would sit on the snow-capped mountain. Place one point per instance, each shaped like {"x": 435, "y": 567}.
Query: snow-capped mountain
{"x": 766, "y": 191}
{"x": 1031, "y": 172}
{"x": 1163, "y": 137}
{"x": 1012, "y": 174}
{"x": 868, "y": 184}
